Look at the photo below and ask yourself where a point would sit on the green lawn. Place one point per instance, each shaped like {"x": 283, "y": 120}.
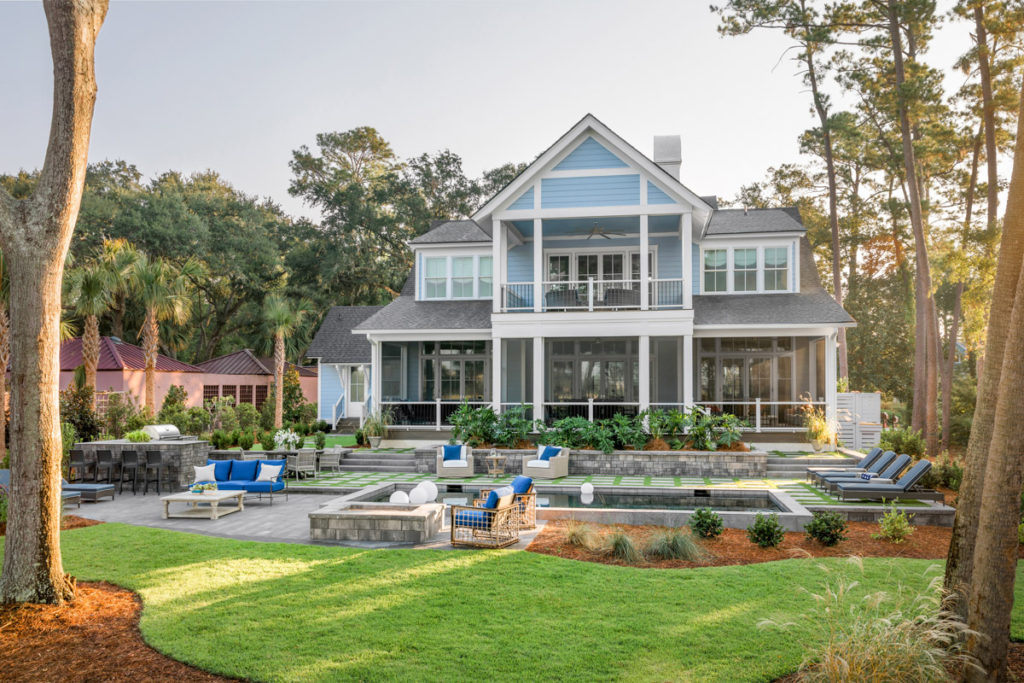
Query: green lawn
{"x": 295, "y": 613}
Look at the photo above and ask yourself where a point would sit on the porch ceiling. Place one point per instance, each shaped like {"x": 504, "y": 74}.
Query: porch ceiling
{"x": 581, "y": 227}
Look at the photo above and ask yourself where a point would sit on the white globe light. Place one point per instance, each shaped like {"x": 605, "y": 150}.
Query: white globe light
{"x": 431, "y": 490}
{"x": 587, "y": 489}
{"x": 399, "y": 497}
{"x": 417, "y": 496}
{"x": 586, "y": 498}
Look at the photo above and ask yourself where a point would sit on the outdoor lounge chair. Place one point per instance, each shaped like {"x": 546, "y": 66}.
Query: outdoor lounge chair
{"x": 454, "y": 461}
{"x": 864, "y": 463}
{"x": 525, "y": 496}
{"x": 330, "y": 460}
{"x": 303, "y": 463}
{"x": 899, "y": 490}
{"x": 66, "y": 497}
{"x": 549, "y": 464}
{"x": 91, "y": 493}
{"x": 880, "y": 463}
{"x": 887, "y": 476}
{"x": 495, "y": 524}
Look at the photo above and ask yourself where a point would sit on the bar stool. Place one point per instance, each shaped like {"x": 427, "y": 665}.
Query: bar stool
{"x": 156, "y": 467}
{"x": 78, "y": 466}
{"x": 129, "y": 467}
{"x": 104, "y": 467}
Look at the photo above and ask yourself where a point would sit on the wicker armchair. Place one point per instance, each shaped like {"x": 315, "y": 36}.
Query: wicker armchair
{"x": 303, "y": 463}
{"x": 553, "y": 468}
{"x": 525, "y": 497}
{"x": 330, "y": 460}
{"x": 455, "y": 468}
{"x": 483, "y": 527}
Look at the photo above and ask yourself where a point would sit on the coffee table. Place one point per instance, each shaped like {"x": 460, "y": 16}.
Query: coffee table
{"x": 211, "y": 508}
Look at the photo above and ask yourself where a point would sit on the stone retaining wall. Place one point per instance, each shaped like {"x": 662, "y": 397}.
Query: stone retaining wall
{"x": 745, "y": 465}
{"x": 395, "y": 523}
{"x": 182, "y": 455}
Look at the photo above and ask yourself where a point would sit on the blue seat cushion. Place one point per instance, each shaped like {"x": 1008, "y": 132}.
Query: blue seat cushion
{"x": 550, "y": 452}
{"x": 243, "y": 470}
{"x": 70, "y": 494}
{"x": 221, "y": 469}
{"x": 272, "y": 463}
{"x": 479, "y": 519}
{"x": 452, "y": 452}
{"x": 234, "y": 484}
{"x": 521, "y": 484}
{"x": 88, "y": 487}
{"x": 263, "y": 486}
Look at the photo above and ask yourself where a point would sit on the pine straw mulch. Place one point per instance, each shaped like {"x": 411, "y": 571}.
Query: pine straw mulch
{"x": 94, "y": 638}
{"x": 733, "y": 547}
{"x": 67, "y": 522}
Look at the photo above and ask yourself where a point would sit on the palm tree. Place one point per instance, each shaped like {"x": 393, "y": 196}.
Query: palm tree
{"x": 283, "y": 317}
{"x": 162, "y": 290}
{"x": 118, "y": 257}
{"x": 90, "y": 295}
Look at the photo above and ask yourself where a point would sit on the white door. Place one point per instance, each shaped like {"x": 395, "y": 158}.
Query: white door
{"x": 357, "y": 393}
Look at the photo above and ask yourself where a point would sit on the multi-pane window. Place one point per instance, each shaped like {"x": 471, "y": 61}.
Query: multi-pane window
{"x": 435, "y": 278}
{"x": 558, "y": 268}
{"x": 358, "y": 387}
{"x": 776, "y": 268}
{"x": 391, "y": 371}
{"x": 716, "y": 270}
{"x": 245, "y": 393}
{"x": 210, "y": 391}
{"x": 462, "y": 277}
{"x": 453, "y": 371}
{"x": 744, "y": 267}
{"x": 486, "y": 277}
{"x": 261, "y": 395}
{"x": 229, "y": 390}
{"x": 612, "y": 267}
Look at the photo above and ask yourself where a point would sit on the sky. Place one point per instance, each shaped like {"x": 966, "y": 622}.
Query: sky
{"x": 236, "y": 86}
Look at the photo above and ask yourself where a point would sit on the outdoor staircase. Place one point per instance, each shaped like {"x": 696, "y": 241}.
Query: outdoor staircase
{"x": 346, "y": 425}
{"x": 378, "y": 462}
{"x": 796, "y": 468}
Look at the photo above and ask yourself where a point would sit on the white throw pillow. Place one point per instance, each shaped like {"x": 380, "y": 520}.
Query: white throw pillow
{"x": 205, "y": 473}
{"x": 268, "y": 472}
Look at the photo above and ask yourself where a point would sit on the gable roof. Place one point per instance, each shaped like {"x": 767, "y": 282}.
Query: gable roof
{"x": 745, "y": 221}
{"x": 405, "y": 313}
{"x": 590, "y": 124}
{"x": 335, "y": 342}
{"x": 442, "y": 232}
{"x": 245, "y": 362}
{"x": 118, "y": 355}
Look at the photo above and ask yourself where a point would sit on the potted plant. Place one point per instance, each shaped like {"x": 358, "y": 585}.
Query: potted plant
{"x": 820, "y": 429}
{"x": 205, "y": 488}
{"x": 286, "y": 440}
{"x": 375, "y": 427}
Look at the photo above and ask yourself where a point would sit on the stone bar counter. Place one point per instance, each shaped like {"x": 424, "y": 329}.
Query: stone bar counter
{"x": 180, "y": 455}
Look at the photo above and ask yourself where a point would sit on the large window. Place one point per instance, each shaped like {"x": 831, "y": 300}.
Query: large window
{"x": 436, "y": 278}
{"x": 601, "y": 369}
{"x": 744, "y": 270}
{"x": 746, "y": 368}
{"x": 580, "y": 266}
{"x": 776, "y": 268}
{"x": 486, "y": 277}
{"x": 462, "y": 277}
{"x": 454, "y": 371}
{"x": 392, "y": 373}
{"x": 357, "y": 389}
{"x": 716, "y": 270}
{"x": 458, "y": 277}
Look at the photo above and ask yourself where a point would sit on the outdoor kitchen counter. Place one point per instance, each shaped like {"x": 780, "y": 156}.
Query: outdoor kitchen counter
{"x": 181, "y": 455}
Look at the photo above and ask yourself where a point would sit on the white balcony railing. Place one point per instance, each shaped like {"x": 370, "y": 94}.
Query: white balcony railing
{"x": 592, "y": 295}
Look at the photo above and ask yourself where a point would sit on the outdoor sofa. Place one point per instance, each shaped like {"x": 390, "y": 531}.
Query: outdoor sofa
{"x": 494, "y": 524}
{"x": 244, "y": 475}
{"x": 887, "y": 476}
{"x": 880, "y": 463}
{"x": 454, "y": 461}
{"x": 899, "y": 490}
{"x": 525, "y": 497}
{"x": 864, "y": 463}
{"x": 551, "y": 462}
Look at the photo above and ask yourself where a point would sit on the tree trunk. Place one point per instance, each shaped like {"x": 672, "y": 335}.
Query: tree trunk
{"x": 151, "y": 347}
{"x": 947, "y": 369}
{"x": 35, "y": 235}
{"x": 931, "y": 416}
{"x": 995, "y": 554}
{"x": 959, "y": 563}
{"x": 91, "y": 352}
{"x": 988, "y": 112}
{"x": 5, "y": 360}
{"x": 278, "y": 380}
{"x": 117, "y": 316}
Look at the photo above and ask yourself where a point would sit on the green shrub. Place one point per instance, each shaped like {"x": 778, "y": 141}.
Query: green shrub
{"x": 512, "y": 427}
{"x": 946, "y": 471}
{"x": 138, "y": 436}
{"x": 267, "y": 441}
{"x": 248, "y": 416}
{"x": 234, "y": 436}
{"x": 473, "y": 426}
{"x": 222, "y": 413}
{"x": 621, "y": 546}
{"x": 219, "y": 440}
{"x": 1020, "y": 533}
{"x": 76, "y": 409}
{"x": 246, "y": 441}
{"x": 659, "y": 423}
{"x": 360, "y": 437}
{"x": 120, "y": 410}
{"x": 903, "y": 440}
{"x": 320, "y": 439}
{"x": 706, "y": 523}
{"x": 827, "y": 528}
{"x": 321, "y": 426}
{"x": 627, "y": 431}
{"x": 895, "y": 525}
{"x": 674, "y": 544}
{"x": 766, "y": 531}
{"x": 580, "y": 534}
{"x": 3, "y": 508}
{"x": 68, "y": 439}
{"x": 709, "y": 432}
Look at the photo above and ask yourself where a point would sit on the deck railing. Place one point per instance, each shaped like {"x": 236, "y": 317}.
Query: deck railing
{"x": 409, "y": 414}
{"x": 764, "y": 416}
{"x": 592, "y": 295}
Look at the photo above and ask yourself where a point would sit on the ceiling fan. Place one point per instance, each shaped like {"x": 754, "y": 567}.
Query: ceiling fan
{"x": 603, "y": 232}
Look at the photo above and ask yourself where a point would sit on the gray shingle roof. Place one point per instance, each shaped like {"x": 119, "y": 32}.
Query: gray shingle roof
{"x": 334, "y": 341}
{"x": 405, "y": 313}
{"x": 453, "y": 231}
{"x": 743, "y": 221}
{"x": 812, "y": 305}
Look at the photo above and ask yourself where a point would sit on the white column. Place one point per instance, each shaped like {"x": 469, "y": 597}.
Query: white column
{"x": 686, "y": 238}
{"x": 497, "y": 265}
{"x": 688, "y": 370}
{"x": 538, "y": 265}
{"x": 375, "y": 375}
{"x": 831, "y": 397}
{"x": 538, "y": 378}
{"x": 496, "y": 373}
{"x": 645, "y": 271}
{"x": 644, "y": 358}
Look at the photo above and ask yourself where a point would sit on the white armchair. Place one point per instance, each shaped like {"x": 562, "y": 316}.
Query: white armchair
{"x": 552, "y": 468}
{"x": 455, "y": 467}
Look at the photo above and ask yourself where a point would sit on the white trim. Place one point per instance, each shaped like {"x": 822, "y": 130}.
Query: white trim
{"x": 570, "y": 238}
{"x": 644, "y": 360}
{"x": 591, "y": 212}
{"x": 591, "y": 172}
{"x": 480, "y": 245}
{"x": 688, "y": 377}
{"x": 538, "y": 377}
{"x": 730, "y": 267}
{"x": 747, "y": 236}
{"x": 427, "y": 335}
{"x": 774, "y": 329}
{"x": 496, "y": 353}
{"x": 686, "y": 244}
{"x": 539, "y": 265}
{"x": 657, "y": 323}
{"x": 476, "y": 255}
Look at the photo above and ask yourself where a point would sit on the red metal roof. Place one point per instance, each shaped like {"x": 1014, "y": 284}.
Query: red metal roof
{"x": 118, "y": 355}
{"x": 245, "y": 362}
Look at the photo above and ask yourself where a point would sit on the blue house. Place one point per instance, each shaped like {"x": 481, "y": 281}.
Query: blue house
{"x": 597, "y": 283}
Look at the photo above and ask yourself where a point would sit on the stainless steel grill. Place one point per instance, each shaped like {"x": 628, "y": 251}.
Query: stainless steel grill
{"x": 162, "y": 432}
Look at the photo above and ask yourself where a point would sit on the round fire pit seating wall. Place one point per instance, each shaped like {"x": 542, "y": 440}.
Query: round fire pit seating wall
{"x": 741, "y": 464}
{"x": 181, "y": 454}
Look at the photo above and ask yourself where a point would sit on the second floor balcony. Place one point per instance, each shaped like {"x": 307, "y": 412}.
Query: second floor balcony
{"x": 591, "y": 294}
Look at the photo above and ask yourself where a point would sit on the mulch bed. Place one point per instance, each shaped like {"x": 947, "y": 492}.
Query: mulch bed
{"x": 733, "y": 546}
{"x": 68, "y": 522}
{"x": 94, "y": 638}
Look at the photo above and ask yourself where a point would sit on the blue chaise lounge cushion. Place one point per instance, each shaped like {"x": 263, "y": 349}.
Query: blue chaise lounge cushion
{"x": 221, "y": 469}
{"x": 521, "y": 484}
{"x": 243, "y": 470}
{"x": 452, "y": 452}
{"x": 550, "y": 452}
